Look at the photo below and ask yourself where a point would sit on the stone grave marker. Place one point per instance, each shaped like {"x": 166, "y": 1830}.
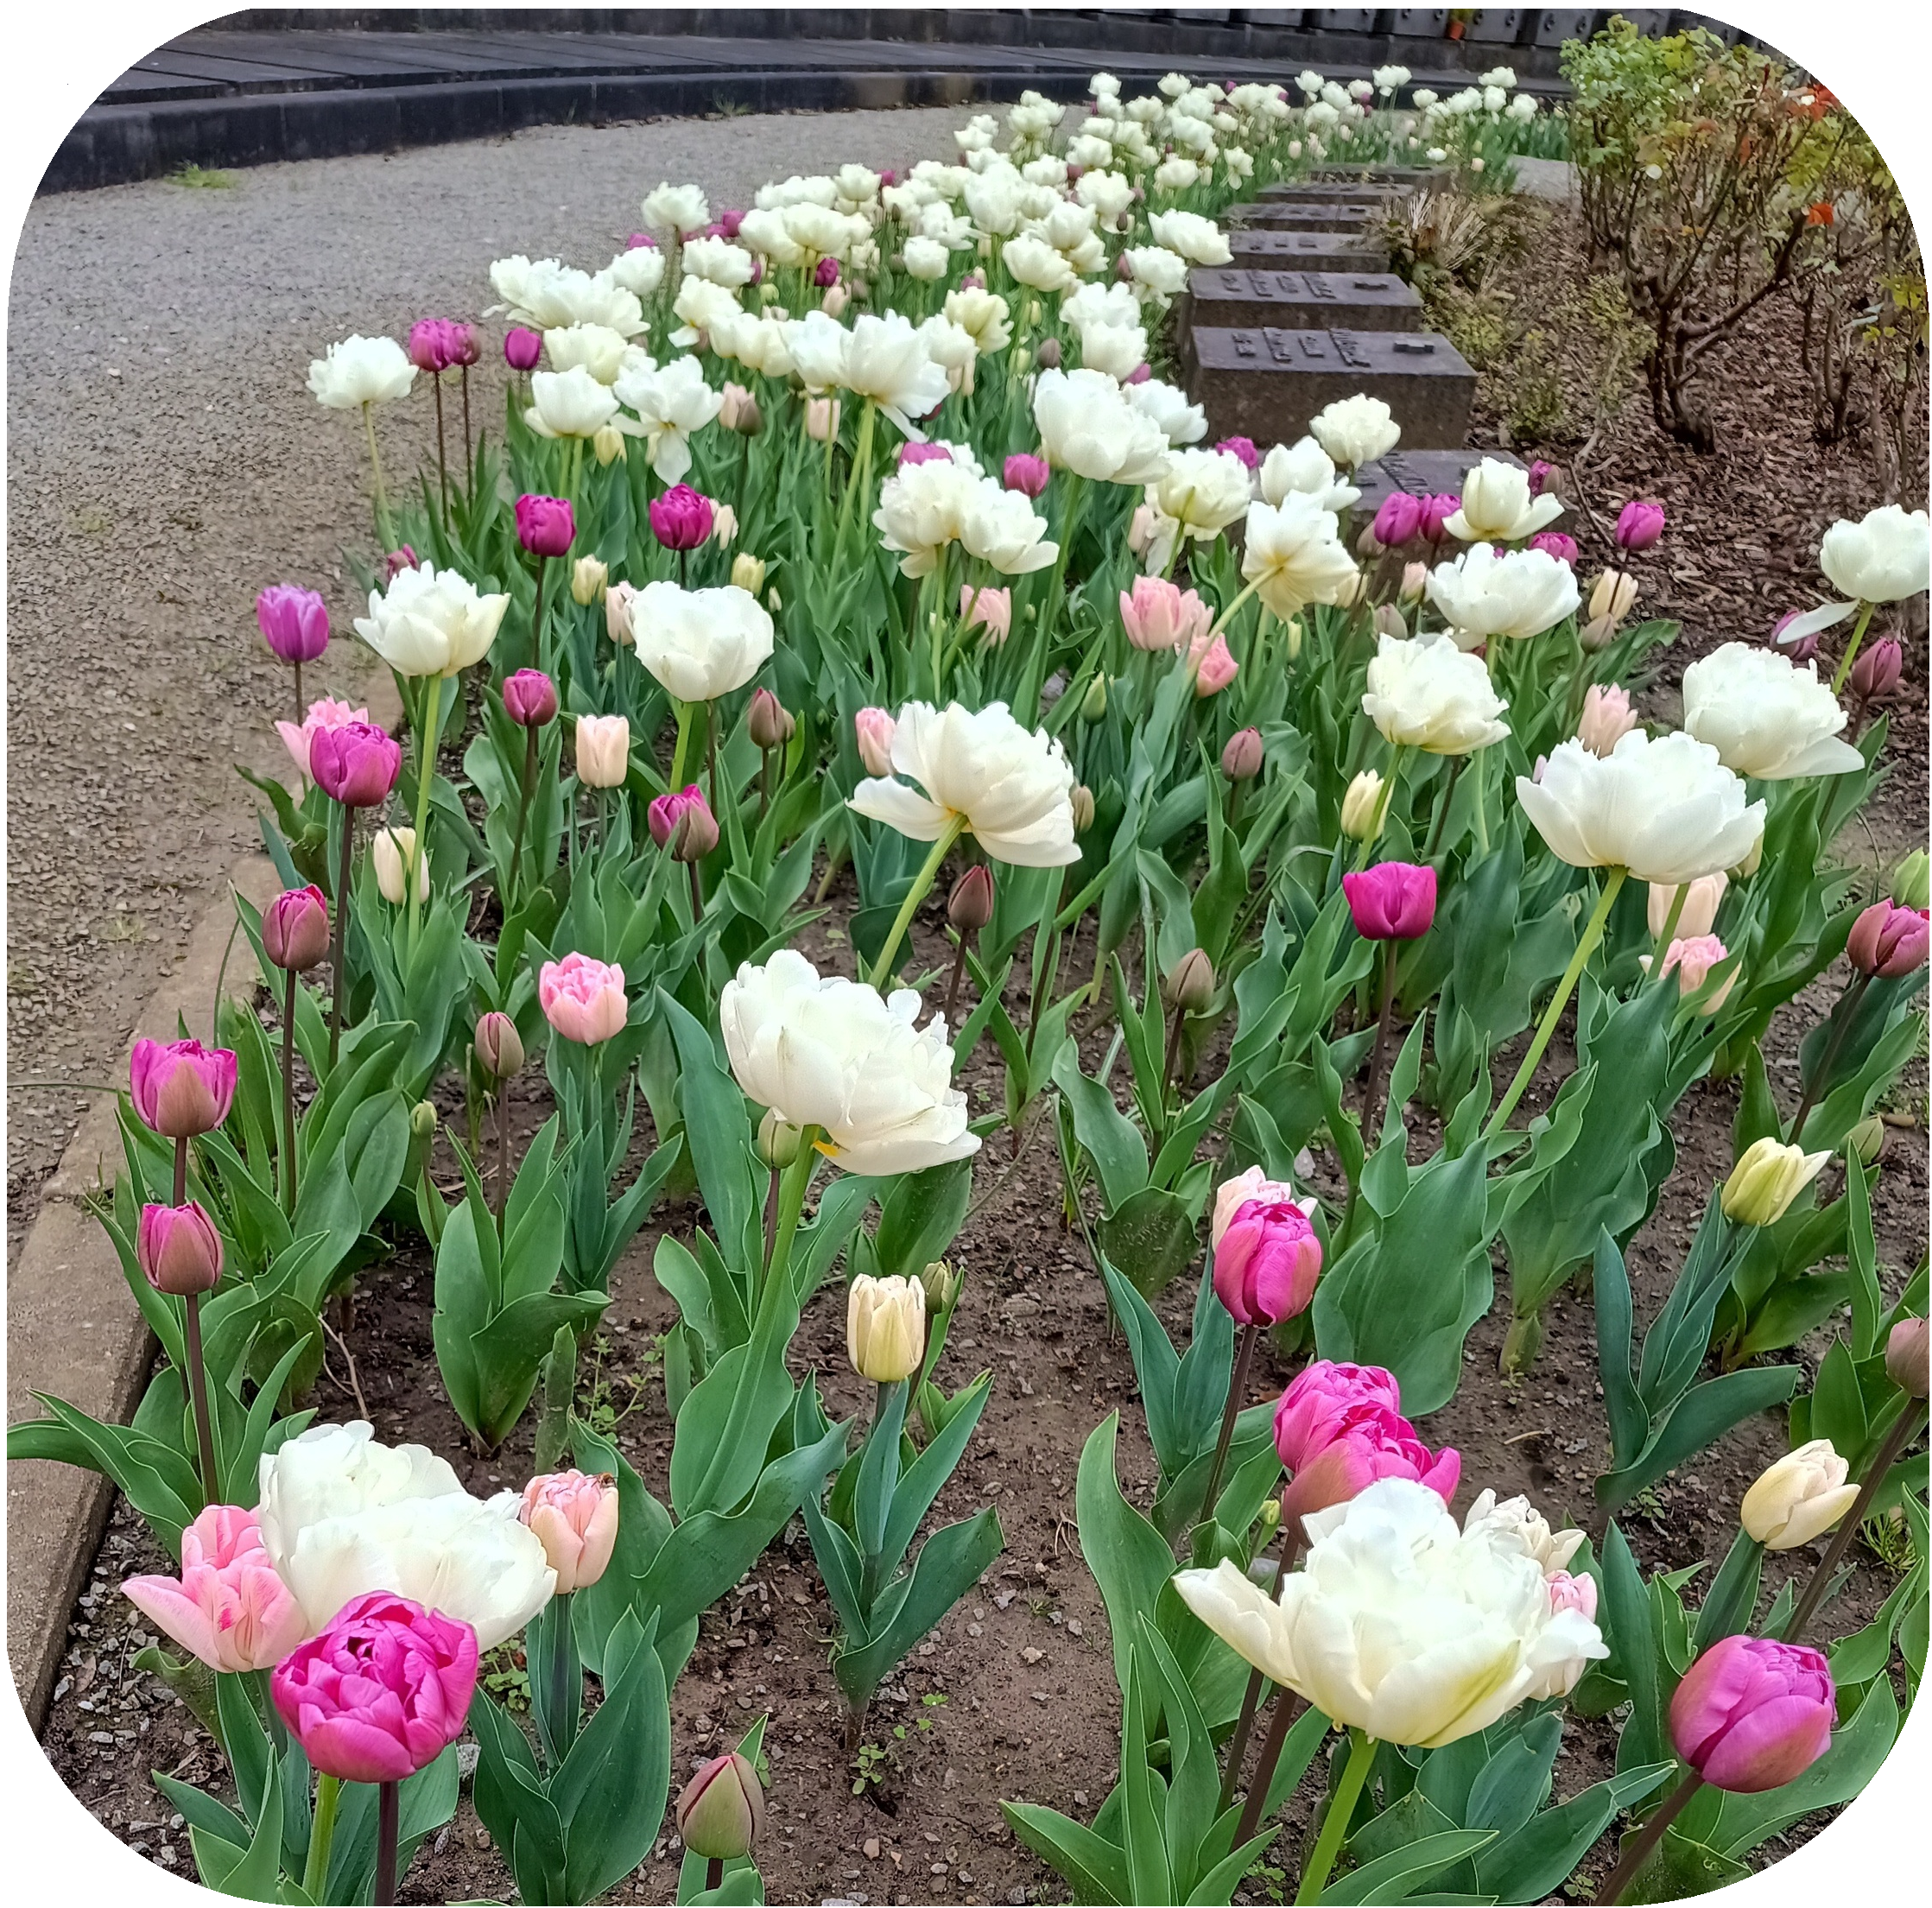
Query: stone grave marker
{"x": 1419, "y": 472}
{"x": 1310, "y": 251}
{"x": 1229, "y": 297}
{"x": 1352, "y": 213}
{"x": 1266, "y": 384}
{"x": 1327, "y": 192}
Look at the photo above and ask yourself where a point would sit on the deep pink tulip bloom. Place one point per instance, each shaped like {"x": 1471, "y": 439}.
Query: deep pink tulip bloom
{"x": 1242, "y": 447}
{"x": 1140, "y": 373}
{"x": 182, "y": 1088}
{"x": 1370, "y": 1442}
{"x": 293, "y": 622}
{"x": 355, "y": 763}
{"x": 825, "y": 272}
{"x": 430, "y": 345}
{"x": 729, "y": 220}
{"x": 529, "y": 698}
{"x": 545, "y": 526}
{"x": 178, "y": 1249}
{"x": 1639, "y": 524}
{"x": 681, "y": 821}
{"x": 1397, "y": 518}
{"x": 1267, "y": 1261}
{"x": 1435, "y": 512}
{"x": 522, "y": 349}
{"x": 382, "y": 1692}
{"x": 1556, "y": 544}
{"x": 1753, "y": 1713}
{"x": 1876, "y": 673}
{"x": 466, "y": 344}
{"x": 1887, "y": 940}
{"x": 1540, "y": 475}
{"x": 639, "y": 239}
{"x": 1213, "y": 663}
{"x": 910, "y": 453}
{"x": 1392, "y": 901}
{"x": 296, "y": 927}
{"x": 582, "y": 998}
{"x": 326, "y": 713}
{"x": 682, "y": 519}
{"x": 1026, "y": 473}
{"x": 1321, "y": 1396}
{"x": 228, "y": 1606}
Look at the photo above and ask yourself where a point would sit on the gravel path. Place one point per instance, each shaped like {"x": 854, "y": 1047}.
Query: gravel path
{"x": 166, "y": 461}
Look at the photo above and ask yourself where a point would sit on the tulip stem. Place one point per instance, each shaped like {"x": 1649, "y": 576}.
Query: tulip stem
{"x": 376, "y": 472}
{"x": 469, "y": 456}
{"x": 1251, "y": 1700}
{"x": 791, "y": 1201}
{"x": 432, "y": 717}
{"x": 522, "y": 816}
{"x": 1670, "y": 921}
{"x": 198, "y": 1386}
{"x": 299, "y": 711}
{"x": 1592, "y": 932}
{"x": 339, "y": 948}
{"x": 1648, "y": 1837}
{"x": 288, "y": 1095}
{"x": 921, "y": 884}
{"x": 1227, "y": 614}
{"x": 1264, "y": 1769}
{"x": 315, "y": 1870}
{"x": 1334, "y": 1825}
{"x": 1379, "y": 1055}
{"x": 1848, "y": 1003}
{"x": 711, "y": 756}
{"x": 1237, "y": 1390}
{"x": 442, "y": 454}
{"x": 388, "y": 1812}
{"x": 1851, "y": 648}
{"x": 952, "y": 987}
{"x": 1903, "y": 1430}
{"x": 714, "y": 1874}
{"x": 680, "y": 747}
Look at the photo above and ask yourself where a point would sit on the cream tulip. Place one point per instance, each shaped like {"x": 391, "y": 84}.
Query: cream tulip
{"x": 1182, "y": 422}
{"x": 673, "y": 404}
{"x": 1766, "y": 717}
{"x": 1292, "y": 553}
{"x": 676, "y": 212}
{"x": 1426, "y": 693}
{"x": 885, "y": 1327}
{"x": 1361, "y": 807}
{"x": 1497, "y": 506}
{"x": 569, "y": 403}
{"x": 700, "y": 645}
{"x": 603, "y": 750}
{"x": 1087, "y": 426}
{"x": 1799, "y": 1498}
{"x": 1764, "y": 1181}
{"x": 431, "y": 622}
{"x": 1884, "y": 558}
{"x": 599, "y": 349}
{"x": 1198, "y": 240}
{"x": 393, "y": 851}
{"x": 1355, "y": 431}
{"x": 1202, "y": 492}
{"x": 1698, "y": 915}
{"x": 1305, "y": 466}
{"x": 360, "y": 371}
{"x": 1517, "y": 594}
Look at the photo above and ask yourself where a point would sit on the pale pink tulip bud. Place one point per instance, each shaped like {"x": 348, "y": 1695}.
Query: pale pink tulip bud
{"x": 1573, "y": 1593}
{"x": 617, "y": 601}
{"x": 1081, "y": 801}
{"x": 1212, "y": 664}
{"x": 582, "y": 998}
{"x": 1140, "y": 529}
{"x": 1190, "y": 982}
{"x": 1414, "y": 580}
{"x": 1389, "y": 622}
{"x": 499, "y": 1046}
{"x": 1693, "y": 959}
{"x": 821, "y": 418}
{"x": 575, "y": 1519}
{"x": 603, "y": 750}
{"x": 875, "y": 729}
{"x": 970, "y": 905}
{"x": 1241, "y": 759}
{"x": 768, "y": 721}
{"x": 1698, "y": 914}
{"x": 1905, "y": 1356}
{"x": 1607, "y": 717}
{"x": 988, "y": 609}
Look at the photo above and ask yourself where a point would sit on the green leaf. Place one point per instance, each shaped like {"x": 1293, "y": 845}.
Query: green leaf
{"x": 1150, "y": 1237}
{"x": 1095, "y": 1869}
{"x": 1392, "y": 1877}
{"x": 1534, "y": 1860}
{"x": 717, "y": 1131}
{"x": 1733, "y": 1595}
{"x": 913, "y": 1496}
{"x": 1114, "y": 1142}
{"x": 1631, "y": 1633}
{"x": 919, "y": 1217}
{"x": 612, "y": 1788}
{"x": 249, "y": 1874}
{"x": 1128, "y": 1556}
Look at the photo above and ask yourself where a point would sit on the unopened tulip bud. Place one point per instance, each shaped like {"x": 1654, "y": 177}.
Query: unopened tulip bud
{"x": 1905, "y": 1356}
{"x": 545, "y": 526}
{"x": 1082, "y": 803}
{"x": 1241, "y": 758}
{"x": 1867, "y": 1141}
{"x": 1094, "y": 704}
{"x": 603, "y": 750}
{"x": 575, "y": 1519}
{"x": 1911, "y": 880}
{"x": 178, "y": 1249}
{"x": 885, "y": 1327}
{"x": 617, "y": 601}
{"x": 499, "y": 1046}
{"x": 873, "y": 729}
{"x": 1414, "y": 580}
{"x": 1607, "y": 718}
{"x": 295, "y": 928}
{"x": 394, "y": 852}
{"x": 1751, "y": 1715}
{"x": 1392, "y": 901}
{"x": 1639, "y": 525}
{"x": 180, "y": 1088}
{"x": 1799, "y": 1498}
{"x": 1190, "y": 982}
{"x": 748, "y": 573}
{"x": 1021, "y": 360}
{"x": 768, "y": 721}
{"x": 777, "y": 1142}
{"x": 522, "y": 349}
{"x": 1048, "y": 355}
{"x": 835, "y": 300}
{"x": 1766, "y": 1180}
{"x": 1368, "y": 544}
{"x": 720, "y": 1812}
{"x": 970, "y": 905}
{"x": 589, "y": 579}
{"x": 1887, "y": 940}
{"x": 607, "y": 445}
{"x": 1749, "y": 866}
{"x": 1595, "y": 635}
{"x": 724, "y": 526}
{"x": 681, "y": 823}
{"x": 739, "y": 411}
{"x": 424, "y": 1120}
{"x": 943, "y": 1283}
{"x": 821, "y": 418}
{"x": 1698, "y": 914}
{"x": 1612, "y": 596}
{"x": 1389, "y": 622}
{"x": 529, "y": 698}
{"x": 1875, "y": 674}
{"x": 1361, "y": 807}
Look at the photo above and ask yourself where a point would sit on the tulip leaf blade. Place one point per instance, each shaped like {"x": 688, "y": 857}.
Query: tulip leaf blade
{"x": 1130, "y": 1559}
{"x": 1392, "y": 1877}
{"x": 1094, "y": 1867}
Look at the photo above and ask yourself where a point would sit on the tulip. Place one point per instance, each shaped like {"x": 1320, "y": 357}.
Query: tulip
{"x": 1607, "y": 718}
{"x": 529, "y": 698}
{"x": 1398, "y": 518}
{"x": 1887, "y": 940}
{"x": 1427, "y": 694}
{"x": 747, "y": 572}
{"x": 434, "y": 622}
{"x": 182, "y": 1088}
{"x": 720, "y": 1812}
{"x": 575, "y": 1519}
{"x": 1253, "y": 1184}
{"x": 326, "y": 713}
{"x": 499, "y": 1046}
{"x": 739, "y": 411}
{"x": 360, "y": 371}
{"x": 1242, "y": 448}
{"x": 293, "y": 622}
{"x": 1293, "y": 555}
{"x": 1026, "y": 473}
{"x": 1611, "y": 597}
{"x": 682, "y": 519}
{"x": 354, "y": 763}
{"x": 1266, "y": 1263}
{"x": 228, "y": 1606}
{"x": 1368, "y": 1442}
{"x": 1515, "y": 593}
{"x": 607, "y": 445}
{"x": 582, "y": 998}
{"x": 589, "y": 579}
{"x": 1498, "y": 505}
{"x": 430, "y": 345}
{"x": 1190, "y": 983}
{"x": 1212, "y": 665}
{"x": 1867, "y": 1141}
{"x": 768, "y": 721}
{"x": 821, "y": 419}
{"x": 1317, "y": 1402}
{"x": 988, "y": 609}
{"x": 603, "y": 750}
{"x": 922, "y": 453}
{"x": 1540, "y": 475}
{"x": 178, "y": 1249}
{"x": 1912, "y": 881}
{"x": 1905, "y": 1356}
{"x": 1554, "y": 543}
{"x": 1087, "y": 426}
{"x": 295, "y": 928}
{"x": 1751, "y": 1714}
{"x": 1698, "y": 914}
{"x": 874, "y": 730}
{"x": 1766, "y": 717}
{"x": 724, "y": 526}
{"x": 398, "y": 560}
{"x": 1799, "y": 1498}
{"x": 394, "y": 852}
{"x": 1305, "y": 466}
{"x": 522, "y": 350}
{"x": 1354, "y": 431}
{"x": 700, "y": 645}
{"x": 1639, "y": 525}
{"x": 1392, "y": 901}
{"x": 1361, "y": 807}
{"x": 1437, "y": 510}
{"x": 885, "y": 1327}
{"x": 1884, "y": 558}
{"x": 1157, "y": 614}
{"x": 1803, "y": 649}
{"x": 970, "y": 905}
{"x": 620, "y": 600}
{"x": 545, "y": 526}
{"x": 1876, "y": 673}
{"x": 681, "y": 823}
{"x": 1241, "y": 759}
{"x": 382, "y": 1692}
{"x": 1517, "y": 1522}
{"x": 1765, "y": 1180}
{"x": 1692, "y": 957}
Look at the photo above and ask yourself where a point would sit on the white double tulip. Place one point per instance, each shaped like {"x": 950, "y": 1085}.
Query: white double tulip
{"x": 342, "y": 1515}
{"x": 982, "y": 315}
{"x": 1426, "y": 693}
{"x": 927, "y": 259}
{"x": 1031, "y": 261}
{"x": 1355, "y": 431}
{"x": 640, "y": 270}
{"x": 551, "y": 295}
{"x": 982, "y": 774}
{"x": 676, "y": 212}
{"x": 1883, "y": 558}
{"x": 570, "y": 404}
{"x": 828, "y": 1052}
{"x": 1292, "y": 554}
{"x": 1517, "y": 594}
{"x": 1157, "y": 273}
{"x": 1668, "y": 810}
{"x": 1496, "y": 506}
{"x": 1765, "y": 715}
{"x": 720, "y": 260}
{"x": 1182, "y": 422}
{"x": 999, "y": 528}
{"x": 703, "y": 307}
{"x": 1200, "y": 492}
{"x": 1086, "y": 426}
{"x": 1118, "y": 350}
{"x": 1303, "y": 466}
{"x": 673, "y": 404}
{"x": 700, "y": 645}
{"x": 1198, "y": 240}
{"x": 1401, "y": 1625}
{"x": 431, "y": 622}
{"x": 360, "y": 371}
{"x": 599, "y": 350}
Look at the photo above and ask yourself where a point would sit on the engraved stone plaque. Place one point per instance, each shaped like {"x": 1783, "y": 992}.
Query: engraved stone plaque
{"x": 1352, "y": 213}
{"x": 1234, "y": 295}
{"x": 1312, "y": 251}
{"x": 1327, "y": 192}
{"x": 1421, "y": 473}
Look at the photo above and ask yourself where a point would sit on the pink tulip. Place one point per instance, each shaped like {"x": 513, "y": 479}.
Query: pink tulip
{"x": 1242, "y": 758}
{"x": 1556, "y": 543}
{"x": 1694, "y": 958}
{"x": 682, "y": 519}
{"x": 182, "y": 1088}
{"x": 1905, "y": 1356}
{"x": 1370, "y": 1442}
{"x": 1607, "y": 718}
{"x": 466, "y": 344}
{"x": 228, "y": 1606}
{"x": 499, "y": 1046}
{"x": 1397, "y": 518}
{"x": 396, "y": 561}
{"x": 1540, "y": 475}
{"x": 178, "y": 1249}
{"x": 295, "y": 928}
{"x": 875, "y": 729}
{"x": 1887, "y": 940}
{"x": 529, "y": 698}
{"x": 1027, "y": 474}
{"x": 1157, "y": 614}
{"x": 293, "y": 622}
{"x": 382, "y": 1692}
{"x": 910, "y": 453}
{"x": 545, "y": 526}
{"x": 640, "y": 239}
{"x": 729, "y": 219}
{"x": 1242, "y": 447}
{"x": 1392, "y": 901}
{"x": 1211, "y": 664}
{"x": 987, "y": 608}
{"x": 825, "y": 273}
{"x": 720, "y": 1812}
{"x": 324, "y": 713}
{"x": 1233, "y": 1194}
{"x": 1801, "y": 651}
{"x": 582, "y": 998}
{"x": 430, "y": 344}
{"x": 1266, "y": 1263}
{"x": 355, "y": 763}
{"x": 1876, "y": 673}
{"x": 1751, "y": 1714}
{"x": 575, "y": 1517}
{"x": 1314, "y": 1407}
{"x": 1140, "y": 528}
{"x": 681, "y": 821}
{"x": 1436, "y": 514}
{"x": 522, "y": 350}
{"x": 1639, "y": 524}
{"x": 1140, "y": 373}
{"x": 1573, "y": 1593}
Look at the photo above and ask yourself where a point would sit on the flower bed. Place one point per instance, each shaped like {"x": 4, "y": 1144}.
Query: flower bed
{"x": 893, "y": 646}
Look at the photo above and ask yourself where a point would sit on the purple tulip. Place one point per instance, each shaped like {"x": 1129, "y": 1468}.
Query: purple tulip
{"x": 729, "y": 220}
{"x": 1267, "y": 1261}
{"x": 180, "y": 1088}
{"x": 825, "y": 274}
{"x": 295, "y": 928}
{"x": 430, "y": 345}
{"x": 1242, "y": 447}
{"x": 1801, "y": 652}
{"x": 1876, "y": 673}
{"x": 1397, "y": 518}
{"x": 1392, "y": 901}
{"x": 1751, "y": 1714}
{"x": 1887, "y": 940}
{"x": 529, "y": 698}
{"x": 1639, "y": 524}
{"x": 1540, "y": 475}
{"x": 1562, "y": 548}
{"x": 178, "y": 1249}
{"x": 1027, "y": 474}
{"x": 293, "y": 622}
{"x": 681, "y": 518}
{"x": 1436, "y": 511}
{"x": 545, "y": 526}
{"x": 682, "y": 822}
{"x": 356, "y": 764}
{"x": 466, "y": 345}
{"x": 397, "y": 560}
{"x": 522, "y": 350}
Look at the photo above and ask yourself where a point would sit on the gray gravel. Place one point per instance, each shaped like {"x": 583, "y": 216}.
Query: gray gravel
{"x": 166, "y": 461}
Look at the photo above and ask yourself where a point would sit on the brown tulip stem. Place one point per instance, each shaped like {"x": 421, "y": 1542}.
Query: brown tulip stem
{"x": 288, "y": 1095}
{"x": 198, "y": 1388}
{"x": 469, "y": 456}
{"x": 1905, "y": 1429}
{"x": 1648, "y": 1837}
{"x": 714, "y": 1874}
{"x": 522, "y": 815}
{"x": 952, "y": 988}
{"x": 389, "y": 1813}
{"x": 338, "y": 947}
{"x": 502, "y": 1150}
{"x": 1379, "y": 1055}
{"x": 697, "y": 892}
{"x": 1237, "y": 1390}
{"x": 299, "y": 711}
{"x": 764, "y": 781}
{"x": 1251, "y": 1700}
{"x": 442, "y": 455}
{"x": 1264, "y": 1769}
{"x": 1848, "y": 1004}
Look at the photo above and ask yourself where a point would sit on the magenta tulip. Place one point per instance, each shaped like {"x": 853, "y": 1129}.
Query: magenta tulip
{"x": 545, "y": 526}
{"x": 355, "y": 763}
{"x": 295, "y": 928}
{"x": 923, "y": 454}
{"x": 1540, "y": 475}
{"x": 729, "y": 220}
{"x": 1392, "y": 901}
{"x": 522, "y": 350}
{"x": 1266, "y": 1263}
{"x": 529, "y": 698}
{"x": 178, "y": 1249}
{"x": 1876, "y": 673}
{"x": 431, "y": 345}
{"x": 681, "y": 823}
{"x": 1241, "y": 448}
{"x": 1027, "y": 474}
{"x": 1370, "y": 1443}
{"x": 1312, "y": 1407}
{"x": 293, "y": 622}
{"x": 1397, "y": 518}
{"x": 466, "y": 345}
{"x": 1437, "y": 512}
{"x": 396, "y": 561}
{"x": 182, "y": 1088}
{"x": 682, "y": 519}
{"x": 382, "y": 1692}
{"x": 825, "y": 273}
{"x": 228, "y": 1606}
{"x": 582, "y": 998}
{"x": 1751, "y": 1714}
{"x": 1887, "y": 940}
{"x": 1554, "y": 543}
{"x": 326, "y": 713}
{"x": 1639, "y": 524}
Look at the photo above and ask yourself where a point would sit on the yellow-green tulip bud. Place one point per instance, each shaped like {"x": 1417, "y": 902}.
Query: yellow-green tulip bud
{"x": 885, "y": 1327}
{"x": 777, "y": 1142}
{"x": 1361, "y": 807}
{"x": 1766, "y": 1180}
{"x": 1912, "y": 881}
{"x": 748, "y": 573}
{"x": 943, "y": 1282}
{"x": 588, "y": 581}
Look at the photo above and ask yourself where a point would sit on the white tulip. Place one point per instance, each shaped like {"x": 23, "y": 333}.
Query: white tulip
{"x": 764, "y": 230}
{"x": 922, "y": 509}
{"x": 1668, "y": 810}
{"x": 1305, "y": 466}
{"x": 720, "y": 260}
{"x": 360, "y": 371}
{"x": 1498, "y": 508}
{"x": 639, "y": 270}
{"x": 759, "y": 343}
{"x": 1198, "y": 240}
{"x": 673, "y": 404}
{"x": 570, "y": 404}
{"x": 1426, "y": 693}
{"x": 431, "y": 622}
{"x": 951, "y": 347}
{"x": 1519, "y": 593}
{"x": 599, "y": 349}
{"x": 703, "y": 307}
{"x": 1293, "y": 554}
{"x": 1107, "y": 193}
{"x": 1176, "y": 175}
{"x": 1086, "y": 426}
{"x": 1181, "y": 422}
{"x": 1401, "y": 1625}
{"x": 1799, "y": 1498}
{"x": 1161, "y": 274}
{"x": 700, "y": 645}
{"x": 999, "y": 528}
{"x": 1355, "y": 431}
{"x": 820, "y": 232}
{"x": 1203, "y": 492}
{"x": 885, "y": 359}
{"x": 342, "y": 1515}
{"x": 1516, "y": 1520}
{"x": 1033, "y": 262}
{"x": 817, "y": 190}
{"x": 1112, "y": 303}
{"x": 392, "y": 851}
{"x": 676, "y": 212}
{"x": 982, "y": 313}
{"x": 551, "y": 296}
{"x": 1765, "y": 716}
{"x": 1884, "y": 558}
{"x": 831, "y": 1053}
{"x": 1009, "y": 788}
{"x": 927, "y": 259}
{"x": 1118, "y": 350}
